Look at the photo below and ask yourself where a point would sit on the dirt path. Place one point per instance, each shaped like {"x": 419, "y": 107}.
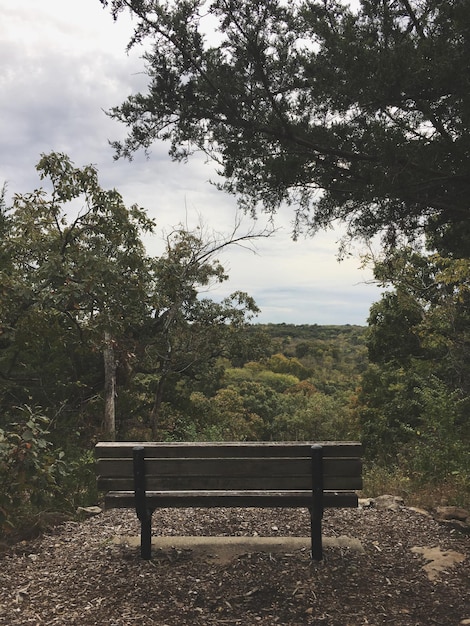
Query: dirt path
{"x": 86, "y": 573}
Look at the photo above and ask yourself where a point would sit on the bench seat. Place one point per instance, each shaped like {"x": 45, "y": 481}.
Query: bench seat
{"x": 244, "y": 499}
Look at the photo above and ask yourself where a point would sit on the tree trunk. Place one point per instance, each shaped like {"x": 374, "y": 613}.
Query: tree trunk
{"x": 155, "y": 413}
{"x": 109, "y": 388}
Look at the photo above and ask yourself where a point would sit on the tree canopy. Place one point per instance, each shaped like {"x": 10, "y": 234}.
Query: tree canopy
{"x": 358, "y": 114}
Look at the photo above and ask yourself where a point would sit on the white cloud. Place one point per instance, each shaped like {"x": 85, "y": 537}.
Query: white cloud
{"x": 63, "y": 64}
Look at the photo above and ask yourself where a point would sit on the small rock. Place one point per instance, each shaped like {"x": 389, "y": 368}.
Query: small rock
{"x": 415, "y": 509}
{"x": 465, "y": 622}
{"x": 388, "y": 502}
{"x": 89, "y": 511}
{"x": 452, "y": 512}
{"x": 454, "y": 517}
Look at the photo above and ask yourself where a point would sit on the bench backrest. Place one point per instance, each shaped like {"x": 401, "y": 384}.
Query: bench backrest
{"x": 258, "y": 466}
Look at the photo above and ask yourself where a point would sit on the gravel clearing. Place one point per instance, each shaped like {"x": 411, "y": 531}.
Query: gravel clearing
{"x": 79, "y": 574}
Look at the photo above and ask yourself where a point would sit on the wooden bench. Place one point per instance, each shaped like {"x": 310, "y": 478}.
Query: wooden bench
{"x": 155, "y": 475}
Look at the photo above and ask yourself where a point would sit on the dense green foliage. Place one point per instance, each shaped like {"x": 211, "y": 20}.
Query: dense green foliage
{"x": 268, "y": 394}
{"x": 358, "y": 112}
{"x": 37, "y": 476}
{"x": 414, "y": 401}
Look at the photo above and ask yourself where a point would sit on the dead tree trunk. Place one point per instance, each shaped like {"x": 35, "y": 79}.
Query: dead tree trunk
{"x": 109, "y": 388}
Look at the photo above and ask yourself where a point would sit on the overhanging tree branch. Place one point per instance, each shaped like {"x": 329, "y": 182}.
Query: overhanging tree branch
{"x": 370, "y": 106}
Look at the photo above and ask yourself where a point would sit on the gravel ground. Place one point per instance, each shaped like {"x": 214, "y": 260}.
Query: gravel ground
{"x": 78, "y": 575}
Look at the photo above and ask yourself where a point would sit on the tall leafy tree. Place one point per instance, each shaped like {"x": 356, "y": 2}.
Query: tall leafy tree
{"x": 353, "y": 113}
{"x": 415, "y": 394}
{"x": 76, "y": 280}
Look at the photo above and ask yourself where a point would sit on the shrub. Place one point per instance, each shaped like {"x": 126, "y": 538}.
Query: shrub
{"x": 34, "y": 475}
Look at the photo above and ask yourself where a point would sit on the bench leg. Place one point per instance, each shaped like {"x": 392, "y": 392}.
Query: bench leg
{"x": 316, "y": 535}
{"x": 146, "y": 537}
{"x": 143, "y": 512}
{"x": 316, "y": 512}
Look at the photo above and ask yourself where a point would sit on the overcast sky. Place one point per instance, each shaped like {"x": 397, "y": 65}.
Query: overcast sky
{"x": 63, "y": 63}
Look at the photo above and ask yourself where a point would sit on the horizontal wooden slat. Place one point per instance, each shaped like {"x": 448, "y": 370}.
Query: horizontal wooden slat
{"x": 229, "y": 467}
{"x": 198, "y": 483}
{"x": 263, "y": 499}
{"x": 229, "y": 474}
{"x": 228, "y": 449}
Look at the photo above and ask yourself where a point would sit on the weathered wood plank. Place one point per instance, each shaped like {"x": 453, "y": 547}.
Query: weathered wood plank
{"x": 227, "y": 449}
{"x": 219, "y": 483}
{"x": 260, "y": 499}
{"x": 229, "y": 467}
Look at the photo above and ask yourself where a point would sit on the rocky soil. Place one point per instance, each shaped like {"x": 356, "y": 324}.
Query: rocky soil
{"x": 412, "y": 571}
